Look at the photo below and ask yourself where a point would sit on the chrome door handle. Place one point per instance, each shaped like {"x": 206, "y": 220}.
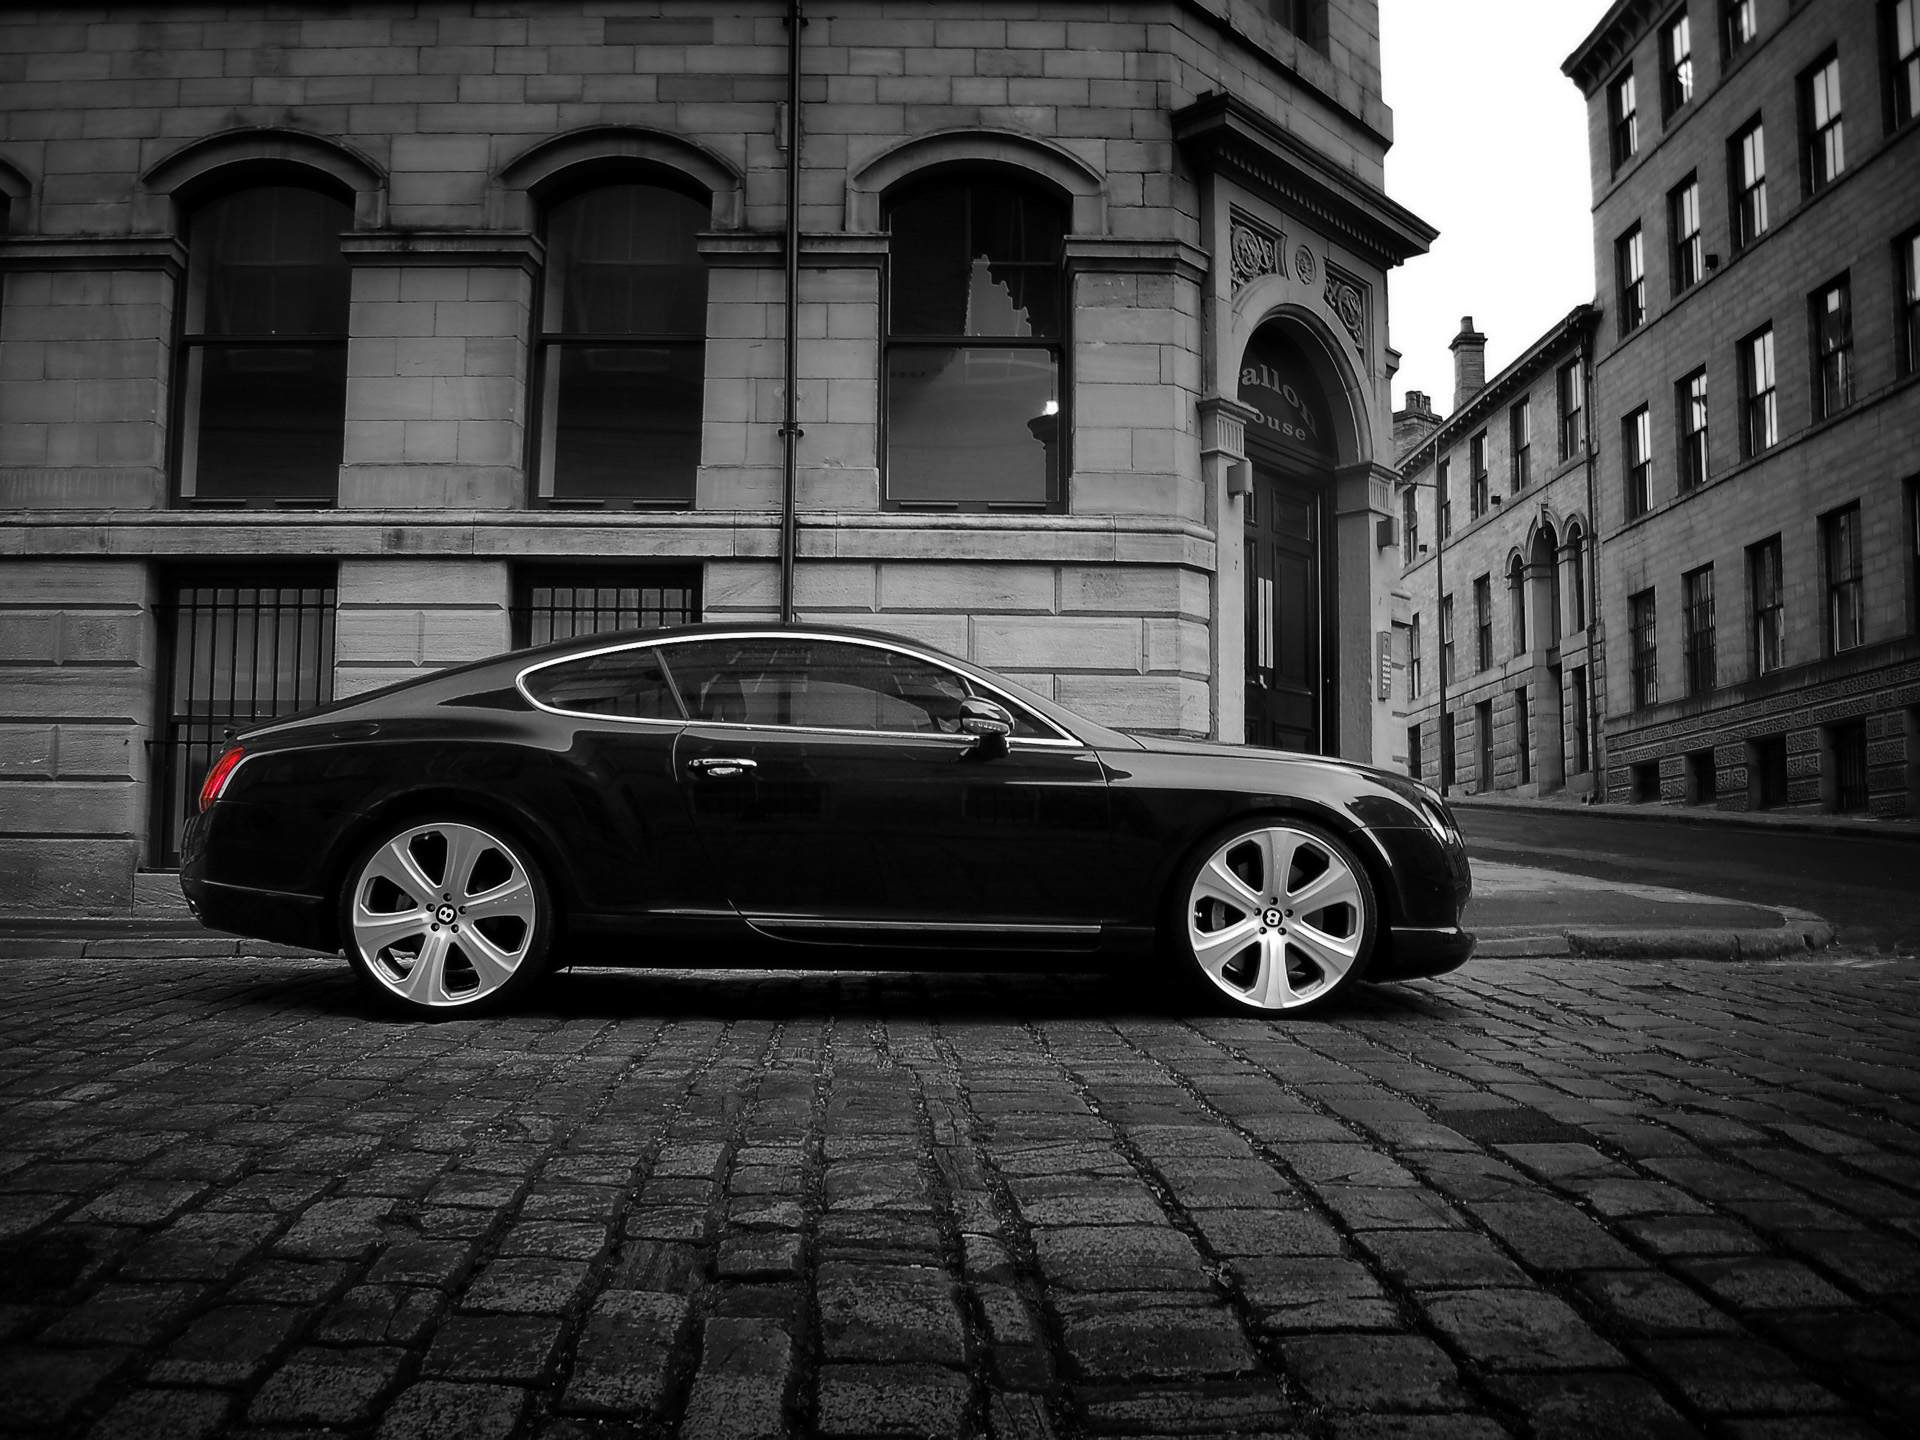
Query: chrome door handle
{"x": 720, "y": 767}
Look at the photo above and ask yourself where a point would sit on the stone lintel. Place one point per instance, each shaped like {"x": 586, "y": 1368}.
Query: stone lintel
{"x": 519, "y": 248}
{"x": 1108, "y": 254}
{"x": 110, "y": 252}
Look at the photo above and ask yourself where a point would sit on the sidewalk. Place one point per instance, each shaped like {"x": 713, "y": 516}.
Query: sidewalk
{"x": 1803, "y": 822}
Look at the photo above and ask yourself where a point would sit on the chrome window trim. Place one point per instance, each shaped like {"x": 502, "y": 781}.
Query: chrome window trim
{"x": 1068, "y": 740}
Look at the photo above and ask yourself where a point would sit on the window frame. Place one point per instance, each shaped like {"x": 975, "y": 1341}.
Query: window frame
{"x": 1843, "y": 577}
{"x": 1446, "y": 640}
{"x": 1739, "y": 28}
{"x": 1644, "y": 645}
{"x": 1520, "y": 444}
{"x": 1576, "y": 548}
{"x": 1830, "y": 347}
{"x": 1480, "y": 491}
{"x": 1483, "y": 623}
{"x": 1822, "y": 143}
{"x": 1902, "y": 67}
{"x": 1906, "y": 291}
{"x": 1686, "y": 250}
{"x": 1060, "y": 346}
{"x": 1694, "y": 454}
{"x": 1698, "y": 630}
{"x": 1630, "y": 270}
{"x": 1443, "y": 485}
{"x": 1570, "y": 392}
{"x": 1623, "y": 118}
{"x": 1747, "y": 183}
{"x": 1636, "y": 461}
{"x": 1517, "y": 602}
{"x": 1409, "y": 526}
{"x": 1766, "y": 605}
{"x": 528, "y": 581}
{"x": 1759, "y": 404}
{"x": 1676, "y": 63}
{"x": 1416, "y": 671}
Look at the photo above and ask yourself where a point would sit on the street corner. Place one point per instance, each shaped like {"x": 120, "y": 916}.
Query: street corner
{"x": 1528, "y": 910}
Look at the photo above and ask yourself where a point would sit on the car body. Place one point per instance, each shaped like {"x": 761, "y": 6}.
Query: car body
{"x": 802, "y": 795}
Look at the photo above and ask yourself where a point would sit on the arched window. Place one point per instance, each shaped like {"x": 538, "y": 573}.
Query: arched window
{"x": 263, "y": 355}
{"x": 622, "y": 348}
{"x": 1576, "y": 579}
{"x": 976, "y": 386}
{"x": 1517, "y": 603}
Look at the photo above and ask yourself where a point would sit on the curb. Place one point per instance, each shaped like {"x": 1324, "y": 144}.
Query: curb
{"x": 1903, "y": 831}
{"x": 1800, "y": 931}
{"x": 128, "y": 947}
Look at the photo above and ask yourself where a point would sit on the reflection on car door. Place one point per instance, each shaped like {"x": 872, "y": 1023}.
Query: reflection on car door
{"x": 833, "y": 801}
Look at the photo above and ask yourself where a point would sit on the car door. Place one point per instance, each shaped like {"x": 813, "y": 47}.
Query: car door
{"x": 833, "y": 794}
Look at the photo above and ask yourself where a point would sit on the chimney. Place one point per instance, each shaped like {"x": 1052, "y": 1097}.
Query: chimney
{"x": 1414, "y": 423}
{"x": 1469, "y": 362}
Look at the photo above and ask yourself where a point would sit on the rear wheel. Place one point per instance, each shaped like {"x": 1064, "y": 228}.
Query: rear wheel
{"x": 444, "y": 917}
{"x": 1275, "y": 916}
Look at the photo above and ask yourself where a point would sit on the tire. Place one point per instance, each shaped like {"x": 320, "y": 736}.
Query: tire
{"x": 1272, "y": 916}
{"x": 446, "y": 917}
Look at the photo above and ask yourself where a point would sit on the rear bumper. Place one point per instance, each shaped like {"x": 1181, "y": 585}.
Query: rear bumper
{"x": 1412, "y": 952}
{"x": 302, "y": 920}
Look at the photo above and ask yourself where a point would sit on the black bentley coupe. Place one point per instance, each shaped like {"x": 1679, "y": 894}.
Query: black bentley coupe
{"x": 804, "y": 795}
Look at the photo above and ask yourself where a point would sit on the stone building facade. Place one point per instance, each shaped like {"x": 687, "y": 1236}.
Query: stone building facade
{"x": 341, "y": 342}
{"x": 1757, "y": 400}
{"x": 1494, "y": 613}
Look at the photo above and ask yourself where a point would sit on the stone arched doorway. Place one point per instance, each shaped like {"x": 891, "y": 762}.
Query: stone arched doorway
{"x": 1298, "y": 435}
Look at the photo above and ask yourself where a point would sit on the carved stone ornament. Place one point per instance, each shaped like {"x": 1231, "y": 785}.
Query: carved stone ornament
{"x": 1255, "y": 253}
{"x": 1303, "y": 265}
{"x": 1344, "y": 299}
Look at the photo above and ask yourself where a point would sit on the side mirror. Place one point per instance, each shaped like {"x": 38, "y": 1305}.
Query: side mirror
{"x": 989, "y": 724}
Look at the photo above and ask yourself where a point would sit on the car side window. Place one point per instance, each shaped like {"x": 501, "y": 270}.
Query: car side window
{"x": 628, "y": 683}
{"x": 822, "y": 684}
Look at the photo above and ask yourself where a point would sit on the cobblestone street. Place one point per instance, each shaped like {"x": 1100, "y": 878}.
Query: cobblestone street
{"x": 1549, "y": 1197}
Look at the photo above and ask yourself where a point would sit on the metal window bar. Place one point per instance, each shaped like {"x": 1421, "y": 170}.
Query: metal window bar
{"x": 237, "y": 653}
{"x": 560, "y": 611}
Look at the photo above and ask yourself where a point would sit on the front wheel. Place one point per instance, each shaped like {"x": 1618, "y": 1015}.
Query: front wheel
{"x": 445, "y": 917}
{"x": 1276, "y": 916}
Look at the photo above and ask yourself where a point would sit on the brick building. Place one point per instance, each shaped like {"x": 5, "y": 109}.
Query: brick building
{"x": 1755, "y": 401}
{"x": 345, "y": 340}
{"x": 1494, "y": 611}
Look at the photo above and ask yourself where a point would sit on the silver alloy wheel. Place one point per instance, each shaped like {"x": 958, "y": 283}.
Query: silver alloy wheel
{"x": 1276, "y": 917}
{"x": 443, "y": 914}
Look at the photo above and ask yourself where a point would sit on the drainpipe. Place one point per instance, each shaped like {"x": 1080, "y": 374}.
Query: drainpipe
{"x": 790, "y": 431}
{"x": 1593, "y": 568}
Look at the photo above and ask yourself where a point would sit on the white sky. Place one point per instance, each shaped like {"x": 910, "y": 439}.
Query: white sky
{"x": 1490, "y": 145}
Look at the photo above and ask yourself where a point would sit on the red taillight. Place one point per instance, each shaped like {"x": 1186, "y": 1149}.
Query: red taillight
{"x": 218, "y": 776}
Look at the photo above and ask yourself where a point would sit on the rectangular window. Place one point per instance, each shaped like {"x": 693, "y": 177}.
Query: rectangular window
{"x": 558, "y": 603}
{"x": 1903, "y": 56}
{"x": 1414, "y": 756}
{"x": 1908, "y": 322}
{"x": 1840, "y": 549}
{"x": 1483, "y": 745}
{"x": 1447, "y": 743}
{"x": 1832, "y": 317}
{"x": 1572, "y": 391}
{"x": 1690, "y": 397}
{"x": 1676, "y": 63}
{"x": 1820, "y": 123}
{"x": 1483, "y": 623}
{"x": 1623, "y": 112}
{"x": 1761, "y": 430}
{"x": 1307, "y": 19}
{"x": 1630, "y": 264}
{"x": 1577, "y": 701}
{"x": 1446, "y": 640}
{"x": 1520, "y": 445}
{"x": 1409, "y": 525}
{"x": 1688, "y": 261}
{"x": 1522, "y": 738}
{"x": 1517, "y": 605}
{"x": 1766, "y": 597}
{"x": 1416, "y": 671}
{"x": 1747, "y": 166}
{"x": 237, "y": 648}
{"x": 1576, "y": 580}
{"x": 1738, "y": 25}
{"x": 1847, "y": 748}
{"x": 1443, "y": 495}
{"x": 1646, "y": 653}
{"x": 1636, "y": 442}
{"x": 1697, "y": 587}
{"x": 1477, "y": 465}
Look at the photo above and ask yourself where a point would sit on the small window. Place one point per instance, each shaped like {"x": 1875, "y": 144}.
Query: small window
{"x": 1416, "y": 671}
{"x": 1483, "y": 622}
{"x": 558, "y": 603}
{"x": 1520, "y": 445}
{"x": 1688, "y": 255}
{"x": 1443, "y": 491}
{"x": 1446, "y": 640}
{"x": 1757, "y": 395}
{"x": 1630, "y": 263}
{"x": 1903, "y": 59}
{"x": 263, "y": 351}
{"x": 1738, "y": 25}
{"x": 1483, "y": 746}
{"x": 1636, "y": 436}
{"x": 1623, "y": 113}
{"x": 1448, "y": 743}
{"x": 1572, "y": 395}
{"x": 1307, "y": 19}
{"x": 1478, "y": 495}
{"x": 1409, "y": 525}
{"x": 1577, "y": 703}
{"x": 1820, "y": 124}
{"x": 622, "y": 350}
{"x": 1832, "y": 316}
{"x": 975, "y": 356}
{"x": 1576, "y": 580}
{"x": 1646, "y": 653}
{"x": 1522, "y": 738}
{"x": 1690, "y": 397}
{"x": 1907, "y": 323}
{"x": 1766, "y": 596}
{"x": 1697, "y": 617}
{"x": 1747, "y": 165}
{"x": 1414, "y": 757}
{"x": 1676, "y": 63}
{"x": 629, "y": 684}
{"x": 1517, "y": 604}
{"x": 1840, "y": 546}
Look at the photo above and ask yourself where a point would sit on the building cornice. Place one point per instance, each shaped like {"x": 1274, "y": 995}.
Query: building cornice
{"x": 1223, "y": 134}
{"x": 1611, "y": 41}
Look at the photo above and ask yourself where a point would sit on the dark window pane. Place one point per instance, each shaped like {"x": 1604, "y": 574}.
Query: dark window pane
{"x": 629, "y": 683}
{"x": 270, "y": 420}
{"x": 268, "y": 262}
{"x": 624, "y": 260}
{"x": 625, "y": 419}
{"x": 976, "y": 260}
{"x": 974, "y": 425}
